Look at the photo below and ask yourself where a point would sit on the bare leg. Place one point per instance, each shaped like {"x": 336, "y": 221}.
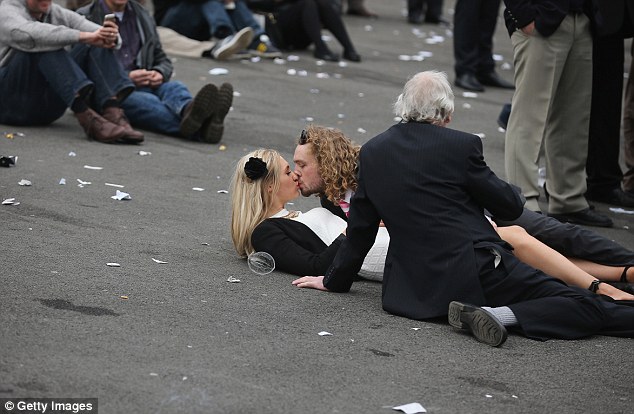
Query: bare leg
{"x": 602, "y": 272}
{"x": 535, "y": 253}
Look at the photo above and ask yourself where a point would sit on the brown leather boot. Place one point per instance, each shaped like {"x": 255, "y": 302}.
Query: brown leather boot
{"x": 117, "y": 116}
{"x": 100, "y": 129}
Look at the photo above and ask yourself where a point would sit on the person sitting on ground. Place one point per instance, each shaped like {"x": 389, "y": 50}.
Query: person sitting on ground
{"x": 40, "y": 79}
{"x": 159, "y": 104}
{"x": 298, "y": 25}
{"x": 444, "y": 258}
{"x": 326, "y": 165}
{"x": 226, "y": 20}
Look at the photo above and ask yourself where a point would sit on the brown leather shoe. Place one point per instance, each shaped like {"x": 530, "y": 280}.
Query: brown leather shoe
{"x": 100, "y": 129}
{"x": 117, "y": 116}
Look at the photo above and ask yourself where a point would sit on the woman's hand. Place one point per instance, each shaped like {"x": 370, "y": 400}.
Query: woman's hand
{"x": 312, "y": 282}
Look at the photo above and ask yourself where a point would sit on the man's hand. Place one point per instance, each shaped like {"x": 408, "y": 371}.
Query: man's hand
{"x": 312, "y": 282}
{"x": 106, "y": 36}
{"x": 146, "y": 78}
{"x": 529, "y": 29}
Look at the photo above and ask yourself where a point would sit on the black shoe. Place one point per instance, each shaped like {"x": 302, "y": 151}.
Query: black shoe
{"x": 213, "y": 128}
{"x": 586, "y": 217}
{"x": 437, "y": 20}
{"x": 469, "y": 82}
{"x": 415, "y": 18}
{"x": 503, "y": 118}
{"x": 327, "y": 56}
{"x": 351, "y": 55}
{"x": 616, "y": 197}
{"x": 493, "y": 79}
{"x": 484, "y": 326}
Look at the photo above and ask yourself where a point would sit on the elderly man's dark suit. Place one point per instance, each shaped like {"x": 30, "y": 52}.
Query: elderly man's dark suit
{"x": 430, "y": 186}
{"x": 614, "y": 22}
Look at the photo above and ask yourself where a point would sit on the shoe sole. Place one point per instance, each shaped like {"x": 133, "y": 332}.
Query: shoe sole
{"x": 202, "y": 108}
{"x": 484, "y": 326}
{"x": 214, "y": 128}
{"x": 241, "y": 40}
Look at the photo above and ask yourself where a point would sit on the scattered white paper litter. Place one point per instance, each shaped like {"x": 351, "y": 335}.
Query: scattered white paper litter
{"x": 144, "y": 153}
{"x": 621, "y": 210}
{"x": 415, "y": 329}
{"x": 72, "y": 154}
{"x": 223, "y": 192}
{"x": 159, "y": 261}
{"x": 198, "y": 189}
{"x": 153, "y": 374}
{"x": 10, "y": 201}
{"x": 120, "y": 195}
{"x": 114, "y": 185}
{"x": 466, "y": 105}
{"x": 291, "y": 72}
{"x": 324, "y": 333}
{"x": 292, "y": 58}
{"x": 218, "y": 71}
{"x": 24, "y": 182}
{"x": 113, "y": 264}
{"x": 232, "y": 279}
{"x": 361, "y": 131}
{"x": 488, "y": 395}
{"x": 411, "y": 408}
{"x": 62, "y": 181}
{"x": 469, "y": 94}
{"x": 482, "y": 135}
{"x": 90, "y": 167}
{"x": 82, "y": 183}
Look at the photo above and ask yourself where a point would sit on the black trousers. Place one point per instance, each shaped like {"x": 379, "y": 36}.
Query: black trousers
{"x": 474, "y": 26}
{"x": 546, "y": 307}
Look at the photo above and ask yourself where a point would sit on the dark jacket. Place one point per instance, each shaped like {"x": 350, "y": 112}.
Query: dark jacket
{"x": 294, "y": 246}
{"x": 151, "y": 56}
{"x": 547, "y": 14}
{"x": 429, "y": 185}
{"x": 611, "y": 16}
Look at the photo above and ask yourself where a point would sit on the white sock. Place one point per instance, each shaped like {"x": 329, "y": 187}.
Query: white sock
{"x": 504, "y": 314}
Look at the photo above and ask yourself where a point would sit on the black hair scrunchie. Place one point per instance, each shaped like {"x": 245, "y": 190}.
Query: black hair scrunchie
{"x": 255, "y": 168}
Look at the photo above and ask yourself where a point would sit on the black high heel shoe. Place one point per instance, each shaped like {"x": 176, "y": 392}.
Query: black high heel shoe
{"x": 327, "y": 56}
{"x": 351, "y": 55}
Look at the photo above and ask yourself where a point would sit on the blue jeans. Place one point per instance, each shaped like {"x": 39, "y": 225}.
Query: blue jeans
{"x": 158, "y": 109}
{"x": 201, "y": 21}
{"x": 36, "y": 88}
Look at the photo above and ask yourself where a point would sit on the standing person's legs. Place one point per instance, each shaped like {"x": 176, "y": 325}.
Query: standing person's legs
{"x": 433, "y": 13}
{"x": 566, "y": 133}
{"x": 187, "y": 19}
{"x": 628, "y": 130}
{"x": 602, "y": 166}
{"x": 333, "y": 22}
{"x": 415, "y": 11}
{"x": 466, "y": 36}
{"x": 488, "y": 16}
{"x": 537, "y": 71}
{"x": 37, "y": 88}
{"x": 217, "y": 17}
{"x": 158, "y": 109}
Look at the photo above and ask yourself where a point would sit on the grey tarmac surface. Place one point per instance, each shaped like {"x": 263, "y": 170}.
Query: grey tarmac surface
{"x": 187, "y": 341}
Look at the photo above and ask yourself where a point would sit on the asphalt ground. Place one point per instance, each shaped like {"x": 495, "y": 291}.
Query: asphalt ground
{"x": 176, "y": 337}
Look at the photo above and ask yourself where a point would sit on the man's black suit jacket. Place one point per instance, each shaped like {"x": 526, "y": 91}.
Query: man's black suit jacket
{"x": 430, "y": 186}
{"x": 547, "y": 14}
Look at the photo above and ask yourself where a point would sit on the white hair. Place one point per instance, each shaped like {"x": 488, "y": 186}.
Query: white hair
{"x": 426, "y": 97}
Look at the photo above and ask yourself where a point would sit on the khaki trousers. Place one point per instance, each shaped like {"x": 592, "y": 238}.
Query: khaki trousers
{"x": 551, "y": 112}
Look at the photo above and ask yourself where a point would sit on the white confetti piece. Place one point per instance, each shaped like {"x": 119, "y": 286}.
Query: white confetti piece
{"x": 159, "y": 261}
{"x": 90, "y": 167}
{"x": 9, "y": 201}
{"x": 411, "y": 408}
{"x": 506, "y": 66}
{"x": 279, "y": 61}
{"x": 322, "y": 75}
{"x": 425, "y": 53}
{"x": 324, "y": 333}
{"x": 114, "y": 185}
{"x": 292, "y": 58}
{"x": 218, "y": 71}
{"x": 488, "y": 395}
{"x": 232, "y": 279}
{"x": 255, "y": 59}
{"x": 320, "y": 62}
{"x": 24, "y": 182}
{"x": 223, "y": 192}
{"x": 144, "y": 153}
{"x": 153, "y": 374}
{"x": 83, "y": 183}
{"x": 415, "y": 329}
{"x": 62, "y": 181}
{"x": 309, "y": 119}
{"x": 314, "y": 90}
{"x": 198, "y": 189}
{"x": 120, "y": 195}
{"x": 368, "y": 28}
{"x": 343, "y": 64}
{"x": 112, "y": 264}
{"x": 469, "y": 95}
{"x": 361, "y": 94}
{"x": 341, "y": 116}
{"x": 498, "y": 58}
{"x": 481, "y": 135}
{"x": 404, "y": 58}
{"x": 291, "y": 72}
{"x": 302, "y": 73}
{"x": 361, "y": 131}
{"x": 620, "y": 210}
{"x": 466, "y": 105}
{"x": 72, "y": 154}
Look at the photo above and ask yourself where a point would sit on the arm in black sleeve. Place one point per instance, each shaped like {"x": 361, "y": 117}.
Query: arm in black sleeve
{"x": 291, "y": 256}
{"x": 496, "y": 195}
